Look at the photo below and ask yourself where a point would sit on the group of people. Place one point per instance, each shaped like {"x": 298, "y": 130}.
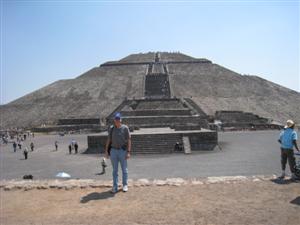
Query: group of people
{"x": 73, "y": 146}
{"x": 19, "y": 144}
{"x": 118, "y": 149}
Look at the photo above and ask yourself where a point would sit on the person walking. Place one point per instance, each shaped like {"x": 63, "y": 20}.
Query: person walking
{"x": 120, "y": 142}
{"x": 76, "y": 147}
{"x": 288, "y": 139}
{"x": 104, "y": 165}
{"x": 32, "y": 146}
{"x": 73, "y": 143}
{"x": 56, "y": 145}
{"x": 15, "y": 146}
{"x": 70, "y": 148}
{"x": 25, "y": 152}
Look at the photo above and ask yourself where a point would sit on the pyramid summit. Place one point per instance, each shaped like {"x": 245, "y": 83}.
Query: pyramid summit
{"x": 99, "y": 91}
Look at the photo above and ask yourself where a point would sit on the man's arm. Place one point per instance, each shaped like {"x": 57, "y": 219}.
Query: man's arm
{"x": 280, "y": 135}
{"x": 295, "y": 137}
{"x": 128, "y": 148}
{"x": 296, "y": 146}
{"x": 108, "y": 141}
{"x": 106, "y": 147}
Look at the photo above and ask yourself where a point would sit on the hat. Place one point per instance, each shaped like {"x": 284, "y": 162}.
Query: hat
{"x": 289, "y": 124}
{"x": 117, "y": 116}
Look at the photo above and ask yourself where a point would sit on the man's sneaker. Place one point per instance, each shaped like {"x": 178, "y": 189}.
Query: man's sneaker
{"x": 293, "y": 177}
{"x": 125, "y": 188}
{"x": 113, "y": 191}
{"x": 282, "y": 175}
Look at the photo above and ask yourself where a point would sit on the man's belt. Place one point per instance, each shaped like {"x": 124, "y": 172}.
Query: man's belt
{"x": 123, "y": 147}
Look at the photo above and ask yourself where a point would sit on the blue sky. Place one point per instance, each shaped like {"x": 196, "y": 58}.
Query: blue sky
{"x": 45, "y": 41}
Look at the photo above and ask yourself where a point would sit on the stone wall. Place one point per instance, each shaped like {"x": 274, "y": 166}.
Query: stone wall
{"x": 203, "y": 140}
{"x": 231, "y": 117}
{"x": 47, "y": 129}
{"x": 161, "y": 121}
{"x": 159, "y": 104}
{"x": 157, "y": 112}
{"x": 159, "y": 143}
{"x": 196, "y": 108}
{"x": 78, "y": 121}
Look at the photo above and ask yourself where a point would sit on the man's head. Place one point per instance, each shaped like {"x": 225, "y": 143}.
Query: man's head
{"x": 117, "y": 119}
{"x": 289, "y": 124}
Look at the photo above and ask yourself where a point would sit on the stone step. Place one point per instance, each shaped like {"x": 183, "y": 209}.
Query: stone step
{"x": 187, "y": 145}
{"x": 158, "y": 143}
{"x": 155, "y": 143}
{"x": 152, "y": 150}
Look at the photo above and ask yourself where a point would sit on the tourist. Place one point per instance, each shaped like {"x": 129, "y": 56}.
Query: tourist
{"x": 76, "y": 147}
{"x": 73, "y": 143}
{"x": 20, "y": 144}
{"x": 15, "y": 146}
{"x": 104, "y": 165}
{"x": 56, "y": 145}
{"x": 32, "y": 146}
{"x": 70, "y": 148}
{"x": 25, "y": 152}
{"x": 178, "y": 147}
{"x": 120, "y": 141}
{"x": 288, "y": 139}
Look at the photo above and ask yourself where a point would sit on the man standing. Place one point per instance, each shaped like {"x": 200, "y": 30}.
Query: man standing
{"x": 32, "y": 146}
{"x": 120, "y": 141}
{"x": 15, "y": 146}
{"x": 25, "y": 152}
{"x": 288, "y": 139}
{"x": 56, "y": 145}
{"x": 76, "y": 147}
{"x": 70, "y": 148}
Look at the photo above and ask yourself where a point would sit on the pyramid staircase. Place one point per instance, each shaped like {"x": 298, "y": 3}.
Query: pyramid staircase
{"x": 158, "y": 110}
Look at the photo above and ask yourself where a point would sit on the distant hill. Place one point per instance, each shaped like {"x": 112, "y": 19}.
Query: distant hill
{"x": 100, "y": 90}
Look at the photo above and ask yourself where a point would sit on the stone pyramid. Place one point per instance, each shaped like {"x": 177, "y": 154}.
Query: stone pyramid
{"x": 97, "y": 93}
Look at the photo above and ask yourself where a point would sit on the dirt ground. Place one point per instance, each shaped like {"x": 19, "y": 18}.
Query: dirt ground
{"x": 249, "y": 202}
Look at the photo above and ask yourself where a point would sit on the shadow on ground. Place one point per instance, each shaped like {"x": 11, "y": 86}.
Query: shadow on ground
{"x": 102, "y": 173}
{"x": 96, "y": 196}
{"x": 296, "y": 201}
{"x": 283, "y": 181}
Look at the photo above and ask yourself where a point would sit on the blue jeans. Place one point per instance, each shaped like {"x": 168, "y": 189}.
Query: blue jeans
{"x": 116, "y": 156}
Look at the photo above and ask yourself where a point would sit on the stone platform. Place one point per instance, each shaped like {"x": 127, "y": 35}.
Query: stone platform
{"x": 165, "y": 112}
{"x": 159, "y": 141}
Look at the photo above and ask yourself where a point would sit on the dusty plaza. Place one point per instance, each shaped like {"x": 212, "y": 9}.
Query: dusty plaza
{"x": 242, "y": 153}
{"x": 233, "y": 184}
{"x": 196, "y": 157}
{"x": 149, "y": 112}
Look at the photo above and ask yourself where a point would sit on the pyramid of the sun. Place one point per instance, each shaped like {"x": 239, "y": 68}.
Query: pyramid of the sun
{"x": 99, "y": 91}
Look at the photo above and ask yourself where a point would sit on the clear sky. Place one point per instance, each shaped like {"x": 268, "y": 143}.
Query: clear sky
{"x": 45, "y": 41}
